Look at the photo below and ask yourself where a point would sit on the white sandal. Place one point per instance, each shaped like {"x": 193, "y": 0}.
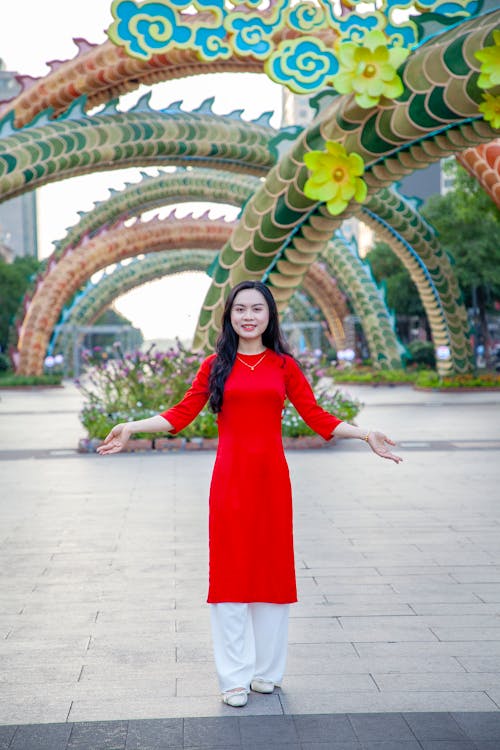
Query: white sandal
{"x": 258, "y": 685}
{"x": 237, "y": 698}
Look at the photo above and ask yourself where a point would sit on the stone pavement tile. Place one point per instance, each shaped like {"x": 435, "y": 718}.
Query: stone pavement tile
{"x": 494, "y": 694}
{"x": 56, "y": 618}
{"x": 436, "y": 681}
{"x": 468, "y": 634}
{"x": 113, "y": 674}
{"x": 130, "y": 652}
{"x": 395, "y": 632}
{"x": 197, "y": 684}
{"x": 41, "y": 674}
{"x": 328, "y": 683}
{"x": 448, "y": 745}
{"x": 63, "y": 642}
{"x": 347, "y": 607}
{"x": 105, "y": 735}
{"x": 434, "y": 726}
{"x": 325, "y": 728}
{"x": 267, "y": 730}
{"x": 433, "y": 621}
{"x": 156, "y": 734}
{"x": 136, "y": 690}
{"x": 204, "y": 732}
{"x": 331, "y": 588}
{"x": 27, "y": 703}
{"x": 440, "y": 649}
{"x": 333, "y": 745}
{"x": 454, "y": 609}
{"x": 189, "y": 654}
{"x": 388, "y": 701}
{"x": 41, "y": 737}
{"x": 406, "y": 664}
{"x": 479, "y": 725}
{"x": 198, "y": 625}
{"x": 109, "y": 613}
{"x": 378, "y": 727}
{"x": 209, "y": 706}
{"x": 391, "y": 745}
{"x": 184, "y": 641}
{"x": 6, "y": 735}
{"x": 476, "y": 574}
{"x": 319, "y": 651}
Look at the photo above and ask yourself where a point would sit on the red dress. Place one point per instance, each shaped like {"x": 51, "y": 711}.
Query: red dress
{"x": 250, "y": 518}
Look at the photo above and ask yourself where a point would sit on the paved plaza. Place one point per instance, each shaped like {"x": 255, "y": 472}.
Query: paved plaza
{"x": 395, "y": 643}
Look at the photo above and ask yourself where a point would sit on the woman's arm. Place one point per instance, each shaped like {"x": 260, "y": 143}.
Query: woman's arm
{"x": 377, "y": 441}
{"x": 325, "y": 424}
{"x": 119, "y": 436}
{"x": 172, "y": 420}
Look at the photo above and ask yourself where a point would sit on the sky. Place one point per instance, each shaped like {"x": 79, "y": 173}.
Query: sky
{"x": 33, "y": 32}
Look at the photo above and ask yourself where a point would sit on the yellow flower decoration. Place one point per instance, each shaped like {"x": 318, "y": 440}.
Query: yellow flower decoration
{"x": 489, "y": 57}
{"x": 491, "y": 109}
{"x": 369, "y": 71}
{"x": 335, "y": 178}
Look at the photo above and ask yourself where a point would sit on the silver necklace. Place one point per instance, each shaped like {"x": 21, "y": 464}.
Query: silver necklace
{"x": 251, "y": 367}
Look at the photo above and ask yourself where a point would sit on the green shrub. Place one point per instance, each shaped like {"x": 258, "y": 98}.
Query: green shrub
{"x": 140, "y": 385}
{"x": 4, "y": 363}
{"x": 9, "y": 379}
{"x": 422, "y": 353}
{"x": 368, "y": 375}
{"x": 466, "y": 380}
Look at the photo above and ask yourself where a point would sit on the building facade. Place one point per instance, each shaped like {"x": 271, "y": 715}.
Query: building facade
{"x": 18, "y": 217}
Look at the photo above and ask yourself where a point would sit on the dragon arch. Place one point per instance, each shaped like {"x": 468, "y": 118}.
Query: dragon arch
{"x": 78, "y": 265}
{"x": 213, "y": 185}
{"x": 91, "y": 302}
{"x": 122, "y": 242}
{"x": 234, "y": 189}
{"x": 282, "y": 231}
{"x": 104, "y": 72}
{"x": 445, "y": 128}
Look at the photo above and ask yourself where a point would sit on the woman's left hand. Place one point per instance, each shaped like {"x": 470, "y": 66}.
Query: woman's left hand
{"x": 379, "y": 443}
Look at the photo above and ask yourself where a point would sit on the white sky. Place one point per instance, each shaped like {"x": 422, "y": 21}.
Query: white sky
{"x": 35, "y": 31}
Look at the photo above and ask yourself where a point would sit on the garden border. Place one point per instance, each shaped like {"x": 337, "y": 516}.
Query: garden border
{"x": 181, "y": 444}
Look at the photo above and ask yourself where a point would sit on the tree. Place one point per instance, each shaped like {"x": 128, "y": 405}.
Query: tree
{"x": 14, "y": 281}
{"x": 468, "y": 226}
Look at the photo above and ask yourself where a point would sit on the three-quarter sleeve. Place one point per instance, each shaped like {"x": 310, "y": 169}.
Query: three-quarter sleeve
{"x": 302, "y": 397}
{"x": 194, "y": 400}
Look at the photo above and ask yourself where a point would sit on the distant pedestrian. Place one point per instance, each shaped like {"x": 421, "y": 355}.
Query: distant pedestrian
{"x": 252, "y": 574}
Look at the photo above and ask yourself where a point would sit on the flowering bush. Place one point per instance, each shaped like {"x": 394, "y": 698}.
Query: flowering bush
{"x": 142, "y": 384}
{"x": 467, "y": 380}
{"x": 360, "y": 374}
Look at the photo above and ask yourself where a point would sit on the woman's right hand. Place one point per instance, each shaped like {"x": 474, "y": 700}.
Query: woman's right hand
{"x": 116, "y": 441}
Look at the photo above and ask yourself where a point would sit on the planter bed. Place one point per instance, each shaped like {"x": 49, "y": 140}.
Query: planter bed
{"x": 465, "y": 389}
{"x": 373, "y": 384}
{"x": 170, "y": 445}
{"x": 40, "y": 387}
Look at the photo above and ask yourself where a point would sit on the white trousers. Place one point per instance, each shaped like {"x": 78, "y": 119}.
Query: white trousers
{"x": 250, "y": 640}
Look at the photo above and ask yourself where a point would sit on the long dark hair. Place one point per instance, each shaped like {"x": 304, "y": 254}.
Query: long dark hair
{"x": 227, "y": 342}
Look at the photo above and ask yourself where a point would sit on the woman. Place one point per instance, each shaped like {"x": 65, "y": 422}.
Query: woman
{"x": 252, "y": 576}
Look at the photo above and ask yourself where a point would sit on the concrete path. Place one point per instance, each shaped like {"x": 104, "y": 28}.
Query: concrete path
{"x": 103, "y": 565}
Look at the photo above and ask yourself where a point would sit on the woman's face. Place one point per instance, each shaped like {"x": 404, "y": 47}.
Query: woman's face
{"x": 249, "y": 314}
